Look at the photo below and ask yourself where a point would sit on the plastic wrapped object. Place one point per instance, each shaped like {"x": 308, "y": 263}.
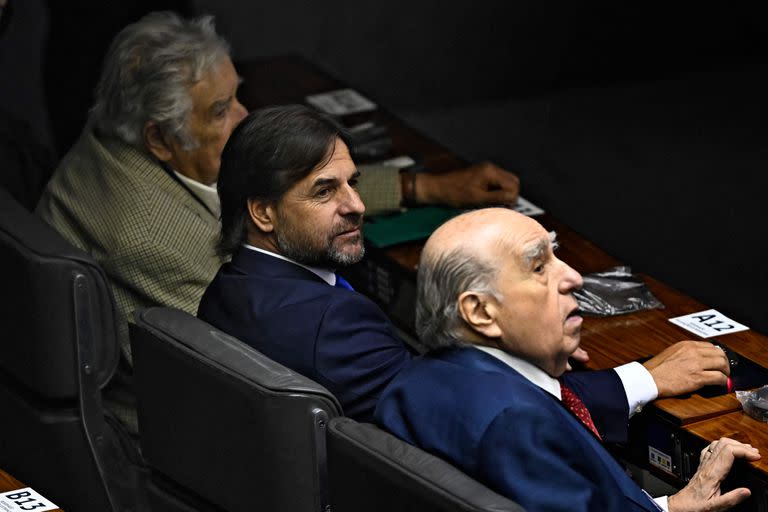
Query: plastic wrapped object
{"x": 755, "y": 403}
{"x": 614, "y": 292}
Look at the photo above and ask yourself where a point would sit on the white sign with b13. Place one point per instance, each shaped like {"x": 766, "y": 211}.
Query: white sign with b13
{"x": 24, "y": 500}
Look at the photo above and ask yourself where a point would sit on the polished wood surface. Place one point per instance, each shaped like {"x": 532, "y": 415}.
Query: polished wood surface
{"x": 9, "y": 483}
{"x": 739, "y": 426}
{"x": 611, "y": 340}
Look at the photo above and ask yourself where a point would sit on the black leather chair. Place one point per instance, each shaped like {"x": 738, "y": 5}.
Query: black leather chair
{"x": 57, "y": 351}
{"x": 374, "y": 471}
{"x": 222, "y": 426}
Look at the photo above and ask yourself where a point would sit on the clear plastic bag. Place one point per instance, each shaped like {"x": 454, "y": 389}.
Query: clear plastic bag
{"x": 755, "y": 403}
{"x": 614, "y": 292}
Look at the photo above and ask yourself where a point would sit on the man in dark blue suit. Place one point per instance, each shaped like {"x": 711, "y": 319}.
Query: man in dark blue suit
{"x": 288, "y": 191}
{"x": 291, "y": 215}
{"x": 496, "y": 310}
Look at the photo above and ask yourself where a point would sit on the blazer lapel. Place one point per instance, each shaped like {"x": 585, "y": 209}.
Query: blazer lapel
{"x": 139, "y": 165}
{"x": 171, "y": 185}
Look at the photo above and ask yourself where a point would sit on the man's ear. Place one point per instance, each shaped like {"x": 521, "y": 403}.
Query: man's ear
{"x": 479, "y": 311}
{"x": 155, "y": 142}
{"x": 262, "y": 214}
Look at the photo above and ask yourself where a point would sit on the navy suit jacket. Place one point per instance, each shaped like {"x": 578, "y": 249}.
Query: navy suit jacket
{"x": 336, "y": 337}
{"x": 473, "y": 410}
{"x": 342, "y": 340}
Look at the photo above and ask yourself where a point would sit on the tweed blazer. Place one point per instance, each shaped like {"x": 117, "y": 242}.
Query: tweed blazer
{"x": 153, "y": 238}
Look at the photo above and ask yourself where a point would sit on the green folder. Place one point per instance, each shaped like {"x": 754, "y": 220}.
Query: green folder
{"x": 409, "y": 226}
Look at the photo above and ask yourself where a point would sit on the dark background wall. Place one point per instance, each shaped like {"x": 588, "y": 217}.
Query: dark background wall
{"x": 412, "y": 53}
{"x": 641, "y": 126}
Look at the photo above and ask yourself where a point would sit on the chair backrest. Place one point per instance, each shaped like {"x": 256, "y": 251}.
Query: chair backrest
{"x": 372, "y": 470}
{"x": 58, "y": 349}
{"x": 224, "y": 422}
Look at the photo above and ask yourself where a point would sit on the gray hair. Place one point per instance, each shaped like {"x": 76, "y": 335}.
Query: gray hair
{"x": 147, "y": 73}
{"x": 440, "y": 281}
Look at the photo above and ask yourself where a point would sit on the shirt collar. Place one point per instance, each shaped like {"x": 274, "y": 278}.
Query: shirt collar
{"x": 324, "y": 274}
{"x": 531, "y": 372}
{"x": 208, "y": 194}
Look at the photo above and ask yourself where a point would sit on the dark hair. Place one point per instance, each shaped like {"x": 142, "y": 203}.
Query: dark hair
{"x": 270, "y": 150}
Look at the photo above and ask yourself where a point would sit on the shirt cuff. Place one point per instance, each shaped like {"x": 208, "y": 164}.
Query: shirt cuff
{"x": 661, "y": 501}
{"x": 639, "y": 386}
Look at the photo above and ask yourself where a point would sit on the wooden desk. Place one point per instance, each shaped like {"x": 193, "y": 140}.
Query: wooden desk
{"x": 690, "y": 439}
{"x": 9, "y": 483}
{"x": 610, "y": 341}
{"x": 739, "y": 426}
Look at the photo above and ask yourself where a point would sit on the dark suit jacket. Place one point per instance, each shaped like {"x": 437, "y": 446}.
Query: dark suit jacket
{"x": 336, "y": 337}
{"x": 342, "y": 340}
{"x": 482, "y": 416}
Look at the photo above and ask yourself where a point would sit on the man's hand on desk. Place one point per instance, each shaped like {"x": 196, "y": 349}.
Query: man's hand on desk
{"x": 703, "y": 491}
{"x": 477, "y": 185}
{"x": 687, "y": 366}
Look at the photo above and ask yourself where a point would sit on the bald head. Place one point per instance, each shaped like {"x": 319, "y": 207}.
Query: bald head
{"x": 459, "y": 256}
{"x": 477, "y": 234}
{"x": 490, "y": 277}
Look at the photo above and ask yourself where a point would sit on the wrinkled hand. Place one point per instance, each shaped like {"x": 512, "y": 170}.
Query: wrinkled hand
{"x": 703, "y": 491}
{"x": 477, "y": 185}
{"x": 686, "y": 366}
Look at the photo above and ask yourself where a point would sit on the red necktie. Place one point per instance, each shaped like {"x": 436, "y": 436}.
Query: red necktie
{"x": 577, "y": 407}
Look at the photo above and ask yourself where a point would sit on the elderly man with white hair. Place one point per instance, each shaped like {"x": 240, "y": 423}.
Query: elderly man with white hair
{"x": 495, "y": 307}
{"x": 137, "y": 190}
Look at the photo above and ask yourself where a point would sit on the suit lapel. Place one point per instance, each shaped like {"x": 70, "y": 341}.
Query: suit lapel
{"x": 168, "y": 184}
{"x": 190, "y": 193}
